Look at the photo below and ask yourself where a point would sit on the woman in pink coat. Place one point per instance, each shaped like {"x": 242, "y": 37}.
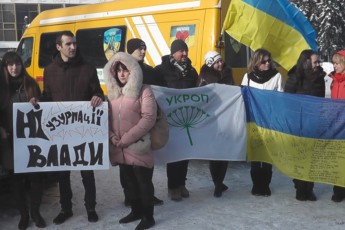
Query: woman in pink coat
{"x": 133, "y": 111}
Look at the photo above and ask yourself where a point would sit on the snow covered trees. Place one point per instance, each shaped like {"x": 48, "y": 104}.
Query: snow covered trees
{"x": 328, "y": 19}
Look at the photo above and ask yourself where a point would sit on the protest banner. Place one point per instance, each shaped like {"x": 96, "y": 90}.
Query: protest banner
{"x": 58, "y": 136}
{"x": 206, "y": 123}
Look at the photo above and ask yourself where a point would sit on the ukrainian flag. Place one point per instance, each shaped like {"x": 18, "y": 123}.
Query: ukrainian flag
{"x": 275, "y": 25}
{"x": 302, "y": 136}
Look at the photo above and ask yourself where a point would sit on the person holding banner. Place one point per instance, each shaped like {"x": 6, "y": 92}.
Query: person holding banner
{"x": 133, "y": 112}
{"x": 307, "y": 78}
{"x": 19, "y": 86}
{"x": 70, "y": 78}
{"x": 262, "y": 75}
{"x": 178, "y": 73}
{"x": 215, "y": 71}
{"x": 338, "y": 92}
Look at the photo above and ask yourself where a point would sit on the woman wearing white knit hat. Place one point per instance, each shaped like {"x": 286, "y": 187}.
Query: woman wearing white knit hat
{"x": 215, "y": 71}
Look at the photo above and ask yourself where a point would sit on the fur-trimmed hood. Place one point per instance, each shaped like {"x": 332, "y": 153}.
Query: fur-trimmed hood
{"x": 135, "y": 79}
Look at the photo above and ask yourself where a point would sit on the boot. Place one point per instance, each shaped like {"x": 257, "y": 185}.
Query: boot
{"x": 20, "y": 196}
{"x": 266, "y": 176}
{"x": 37, "y": 218}
{"x": 175, "y": 194}
{"x": 310, "y": 194}
{"x": 184, "y": 191}
{"x": 63, "y": 216}
{"x": 24, "y": 220}
{"x": 256, "y": 189}
{"x": 338, "y": 194}
{"x": 219, "y": 189}
{"x": 135, "y": 214}
{"x": 36, "y": 198}
{"x": 301, "y": 191}
{"x": 218, "y": 171}
{"x": 92, "y": 215}
{"x": 147, "y": 221}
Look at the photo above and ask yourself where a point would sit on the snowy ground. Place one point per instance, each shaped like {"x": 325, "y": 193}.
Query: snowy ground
{"x": 236, "y": 209}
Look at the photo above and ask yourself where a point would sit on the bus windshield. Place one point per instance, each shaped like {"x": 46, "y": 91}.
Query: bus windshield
{"x": 25, "y": 50}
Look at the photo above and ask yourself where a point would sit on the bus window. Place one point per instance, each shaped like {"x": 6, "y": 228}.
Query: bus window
{"x": 97, "y": 45}
{"x": 25, "y": 50}
{"x": 47, "y": 49}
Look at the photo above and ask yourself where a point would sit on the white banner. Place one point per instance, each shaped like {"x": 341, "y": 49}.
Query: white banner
{"x": 205, "y": 123}
{"x": 59, "y": 136}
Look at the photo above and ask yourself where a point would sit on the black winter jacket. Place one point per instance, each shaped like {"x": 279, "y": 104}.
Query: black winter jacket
{"x": 209, "y": 75}
{"x": 151, "y": 76}
{"x": 74, "y": 80}
{"x": 173, "y": 77}
{"x": 14, "y": 91}
{"x": 313, "y": 85}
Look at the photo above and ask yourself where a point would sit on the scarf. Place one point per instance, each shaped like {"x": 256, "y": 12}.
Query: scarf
{"x": 261, "y": 77}
{"x": 181, "y": 66}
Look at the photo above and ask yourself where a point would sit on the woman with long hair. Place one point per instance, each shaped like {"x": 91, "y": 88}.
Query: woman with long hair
{"x": 20, "y": 87}
{"x": 262, "y": 74}
{"x": 307, "y": 78}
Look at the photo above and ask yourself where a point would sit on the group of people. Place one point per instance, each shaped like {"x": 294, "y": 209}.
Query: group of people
{"x": 67, "y": 78}
{"x": 133, "y": 112}
{"x": 306, "y": 78}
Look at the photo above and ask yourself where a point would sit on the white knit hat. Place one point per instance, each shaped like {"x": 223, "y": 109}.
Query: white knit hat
{"x": 212, "y": 57}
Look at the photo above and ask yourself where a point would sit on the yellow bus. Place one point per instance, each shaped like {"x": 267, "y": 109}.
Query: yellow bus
{"x": 104, "y": 28}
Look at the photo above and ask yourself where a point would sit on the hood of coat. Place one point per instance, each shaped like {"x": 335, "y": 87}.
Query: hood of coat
{"x": 135, "y": 80}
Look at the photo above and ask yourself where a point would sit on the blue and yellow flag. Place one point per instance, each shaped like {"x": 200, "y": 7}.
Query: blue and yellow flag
{"x": 302, "y": 136}
{"x": 275, "y": 25}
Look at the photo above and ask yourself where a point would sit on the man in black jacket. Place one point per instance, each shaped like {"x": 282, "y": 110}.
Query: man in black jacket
{"x": 137, "y": 48}
{"x": 177, "y": 72}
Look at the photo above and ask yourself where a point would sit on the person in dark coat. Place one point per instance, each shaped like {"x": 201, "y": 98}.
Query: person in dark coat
{"x": 18, "y": 86}
{"x": 137, "y": 48}
{"x": 70, "y": 78}
{"x": 177, "y": 72}
{"x": 215, "y": 71}
{"x": 306, "y": 78}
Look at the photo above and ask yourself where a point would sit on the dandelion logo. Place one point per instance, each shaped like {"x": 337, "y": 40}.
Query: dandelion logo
{"x": 187, "y": 117}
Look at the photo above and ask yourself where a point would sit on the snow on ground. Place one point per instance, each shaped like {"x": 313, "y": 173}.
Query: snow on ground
{"x": 236, "y": 209}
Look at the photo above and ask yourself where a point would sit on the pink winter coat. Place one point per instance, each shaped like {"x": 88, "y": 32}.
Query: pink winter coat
{"x": 133, "y": 112}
